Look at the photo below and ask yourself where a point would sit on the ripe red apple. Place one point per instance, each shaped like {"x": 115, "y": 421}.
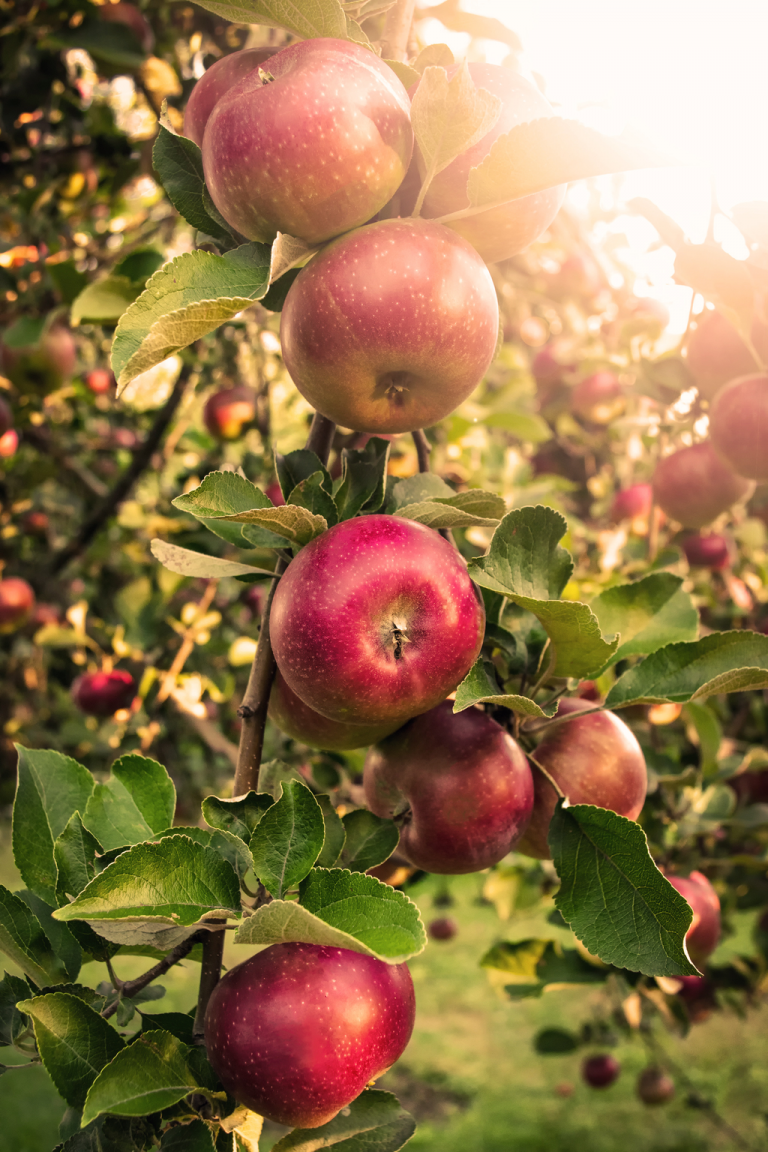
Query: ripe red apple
{"x": 391, "y": 327}
{"x": 17, "y": 601}
{"x": 6, "y": 417}
{"x": 298, "y": 1030}
{"x": 496, "y": 233}
{"x": 703, "y": 936}
{"x": 444, "y": 928}
{"x": 40, "y": 367}
{"x": 594, "y": 759}
{"x": 131, "y": 17}
{"x": 711, "y": 551}
{"x": 630, "y": 503}
{"x": 314, "y": 148}
{"x": 100, "y": 381}
{"x": 654, "y": 1086}
{"x": 228, "y": 412}
{"x": 600, "y": 1071}
{"x": 694, "y": 486}
{"x": 598, "y": 398}
{"x": 738, "y": 426}
{"x": 376, "y": 621}
{"x": 550, "y": 365}
{"x": 9, "y": 442}
{"x": 717, "y": 354}
{"x": 275, "y": 494}
{"x": 212, "y": 85}
{"x": 295, "y": 718}
{"x": 464, "y": 784}
{"x": 103, "y": 693}
{"x": 35, "y": 523}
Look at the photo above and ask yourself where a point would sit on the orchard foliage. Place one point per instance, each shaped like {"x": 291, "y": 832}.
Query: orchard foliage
{"x": 146, "y": 516}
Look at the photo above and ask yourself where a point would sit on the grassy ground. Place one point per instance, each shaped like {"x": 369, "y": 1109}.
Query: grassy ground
{"x": 470, "y": 1074}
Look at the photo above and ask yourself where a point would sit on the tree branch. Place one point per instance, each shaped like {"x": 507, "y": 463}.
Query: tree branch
{"x": 131, "y": 987}
{"x": 397, "y": 30}
{"x": 423, "y": 449}
{"x": 140, "y": 462}
{"x": 48, "y": 447}
{"x": 210, "y": 973}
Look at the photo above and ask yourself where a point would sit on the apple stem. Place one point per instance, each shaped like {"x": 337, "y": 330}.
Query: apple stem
{"x": 397, "y": 30}
{"x": 423, "y": 449}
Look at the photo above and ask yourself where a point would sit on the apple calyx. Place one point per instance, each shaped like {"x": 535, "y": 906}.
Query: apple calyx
{"x": 266, "y": 77}
{"x": 398, "y": 636}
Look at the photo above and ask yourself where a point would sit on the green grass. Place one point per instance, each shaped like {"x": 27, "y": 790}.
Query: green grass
{"x": 470, "y": 1073}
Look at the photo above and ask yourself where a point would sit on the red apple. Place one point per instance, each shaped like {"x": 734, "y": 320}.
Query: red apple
{"x": 100, "y": 381}
{"x": 600, "y": 1071}
{"x": 550, "y": 365}
{"x": 496, "y": 233}
{"x": 444, "y": 928}
{"x": 391, "y": 327}
{"x": 463, "y": 783}
{"x": 46, "y": 614}
{"x": 751, "y": 787}
{"x": 654, "y": 1086}
{"x": 295, "y": 718}
{"x": 212, "y": 85}
{"x": 630, "y": 503}
{"x": 275, "y": 494}
{"x": 376, "y": 621}
{"x": 9, "y": 442}
{"x": 40, "y": 367}
{"x": 314, "y": 148}
{"x": 703, "y": 936}
{"x": 594, "y": 759}
{"x": 717, "y": 354}
{"x": 694, "y": 486}
{"x": 131, "y": 17}
{"x": 17, "y": 601}
{"x": 298, "y": 1030}
{"x": 707, "y": 551}
{"x": 103, "y": 693}
{"x": 6, "y": 417}
{"x": 598, "y": 398}
{"x": 255, "y": 598}
{"x": 35, "y": 523}
{"x": 738, "y": 426}
{"x": 227, "y": 413}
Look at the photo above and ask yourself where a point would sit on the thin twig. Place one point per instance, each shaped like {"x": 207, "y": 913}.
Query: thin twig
{"x": 47, "y": 445}
{"x": 129, "y": 988}
{"x": 141, "y": 459}
{"x": 187, "y": 644}
{"x": 423, "y": 449}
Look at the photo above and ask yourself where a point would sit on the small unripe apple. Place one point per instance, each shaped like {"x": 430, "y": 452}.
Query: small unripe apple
{"x": 703, "y": 936}
{"x": 694, "y": 486}
{"x": 312, "y": 145}
{"x": 375, "y": 621}
{"x": 6, "y": 417}
{"x": 296, "y": 719}
{"x": 738, "y": 426}
{"x": 390, "y": 327}
{"x": 598, "y": 398}
{"x": 594, "y": 759}
{"x": 633, "y": 502}
{"x": 711, "y": 551}
{"x": 297, "y": 1031}
{"x": 600, "y": 1071}
{"x": 654, "y": 1086}
{"x": 213, "y": 84}
{"x": 17, "y": 601}
{"x": 717, "y": 354}
{"x": 462, "y": 784}
{"x": 103, "y": 693}
{"x": 100, "y": 381}
{"x": 229, "y": 412}
{"x": 444, "y": 928}
{"x": 131, "y": 17}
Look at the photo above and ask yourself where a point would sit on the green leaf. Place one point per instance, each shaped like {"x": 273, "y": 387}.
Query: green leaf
{"x": 239, "y": 816}
{"x": 288, "y": 839}
{"x": 179, "y": 164}
{"x": 291, "y": 522}
{"x": 306, "y": 20}
{"x": 12, "y": 1023}
{"x": 363, "y": 478}
{"x": 523, "y": 425}
{"x": 104, "y": 301}
{"x": 343, "y": 909}
{"x": 139, "y": 265}
{"x": 74, "y": 852}
{"x": 374, "y": 1122}
{"x": 311, "y": 494}
{"x": 534, "y": 964}
{"x": 407, "y": 75}
{"x": 335, "y": 834}
{"x": 184, "y": 300}
{"x": 136, "y": 801}
{"x": 477, "y": 687}
{"x": 51, "y": 787}
{"x": 189, "y": 563}
{"x": 650, "y": 613}
{"x": 297, "y": 466}
{"x": 459, "y": 510}
{"x": 448, "y": 117}
{"x": 23, "y": 940}
{"x": 151, "y": 1074}
{"x": 423, "y": 487}
{"x": 370, "y": 840}
{"x": 434, "y": 55}
{"x": 221, "y": 493}
{"x": 230, "y": 847}
{"x": 722, "y": 662}
{"x": 75, "y": 1042}
{"x": 526, "y": 563}
{"x": 709, "y": 733}
{"x": 174, "y": 882}
{"x": 64, "y": 945}
{"x": 112, "y": 44}
{"x": 194, "y": 1137}
{"x": 613, "y": 895}
{"x": 67, "y": 281}
{"x": 555, "y": 1042}
{"x": 544, "y": 153}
